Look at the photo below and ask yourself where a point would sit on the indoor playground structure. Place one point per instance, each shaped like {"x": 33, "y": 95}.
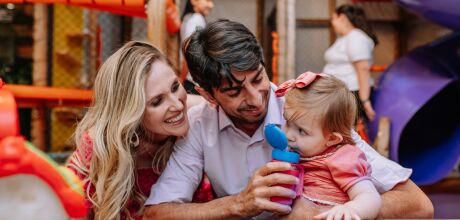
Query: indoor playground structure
{"x": 420, "y": 92}
{"x": 31, "y": 184}
{"x": 416, "y": 99}
{"x": 69, "y": 47}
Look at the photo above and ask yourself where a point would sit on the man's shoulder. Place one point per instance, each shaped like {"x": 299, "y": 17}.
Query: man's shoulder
{"x": 203, "y": 112}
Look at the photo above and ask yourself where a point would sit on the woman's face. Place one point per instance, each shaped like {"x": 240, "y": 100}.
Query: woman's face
{"x": 338, "y": 22}
{"x": 165, "y": 111}
{"x": 203, "y": 7}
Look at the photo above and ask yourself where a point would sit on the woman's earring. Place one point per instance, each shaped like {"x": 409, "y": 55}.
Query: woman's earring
{"x": 134, "y": 141}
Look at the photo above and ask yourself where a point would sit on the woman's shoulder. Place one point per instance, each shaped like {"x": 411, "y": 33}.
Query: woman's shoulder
{"x": 79, "y": 161}
{"x": 85, "y": 147}
{"x": 358, "y": 34}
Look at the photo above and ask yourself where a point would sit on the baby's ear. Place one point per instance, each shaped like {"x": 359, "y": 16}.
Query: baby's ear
{"x": 334, "y": 138}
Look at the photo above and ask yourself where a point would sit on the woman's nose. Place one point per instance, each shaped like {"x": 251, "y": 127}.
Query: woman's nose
{"x": 176, "y": 103}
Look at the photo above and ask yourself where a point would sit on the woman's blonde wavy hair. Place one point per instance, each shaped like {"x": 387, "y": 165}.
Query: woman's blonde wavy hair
{"x": 112, "y": 122}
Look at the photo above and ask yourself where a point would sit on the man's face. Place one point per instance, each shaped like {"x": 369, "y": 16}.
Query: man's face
{"x": 245, "y": 103}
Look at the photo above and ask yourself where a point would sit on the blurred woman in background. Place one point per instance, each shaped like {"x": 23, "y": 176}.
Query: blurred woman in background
{"x": 192, "y": 18}
{"x": 350, "y": 57}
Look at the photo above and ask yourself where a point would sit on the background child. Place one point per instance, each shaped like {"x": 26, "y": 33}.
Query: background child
{"x": 320, "y": 112}
{"x": 193, "y": 17}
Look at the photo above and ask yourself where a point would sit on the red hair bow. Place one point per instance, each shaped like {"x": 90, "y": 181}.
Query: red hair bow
{"x": 302, "y": 81}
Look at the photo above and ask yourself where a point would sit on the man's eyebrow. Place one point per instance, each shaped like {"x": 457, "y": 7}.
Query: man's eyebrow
{"x": 258, "y": 72}
{"x": 222, "y": 90}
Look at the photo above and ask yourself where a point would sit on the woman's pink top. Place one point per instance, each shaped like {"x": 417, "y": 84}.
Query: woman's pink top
{"x": 146, "y": 177}
{"x": 330, "y": 175}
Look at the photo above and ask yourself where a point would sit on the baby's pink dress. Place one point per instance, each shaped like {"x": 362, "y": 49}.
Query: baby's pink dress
{"x": 330, "y": 175}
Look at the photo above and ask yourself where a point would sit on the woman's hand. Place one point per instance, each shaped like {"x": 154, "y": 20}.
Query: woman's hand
{"x": 339, "y": 212}
{"x": 370, "y": 113}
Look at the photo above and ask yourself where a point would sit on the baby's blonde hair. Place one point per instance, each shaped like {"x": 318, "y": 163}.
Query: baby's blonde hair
{"x": 328, "y": 99}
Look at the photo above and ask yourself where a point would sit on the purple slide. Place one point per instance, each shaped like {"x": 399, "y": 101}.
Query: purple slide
{"x": 420, "y": 92}
{"x": 444, "y": 12}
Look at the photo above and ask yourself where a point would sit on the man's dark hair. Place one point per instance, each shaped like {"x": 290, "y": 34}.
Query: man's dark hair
{"x": 222, "y": 46}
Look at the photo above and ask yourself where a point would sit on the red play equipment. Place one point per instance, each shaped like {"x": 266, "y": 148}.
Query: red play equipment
{"x": 33, "y": 96}
{"x": 129, "y": 8}
{"x": 19, "y": 157}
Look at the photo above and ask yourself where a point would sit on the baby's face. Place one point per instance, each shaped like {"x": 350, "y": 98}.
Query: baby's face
{"x": 305, "y": 134}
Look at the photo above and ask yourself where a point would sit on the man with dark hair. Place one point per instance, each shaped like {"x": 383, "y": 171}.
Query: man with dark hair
{"x": 226, "y": 141}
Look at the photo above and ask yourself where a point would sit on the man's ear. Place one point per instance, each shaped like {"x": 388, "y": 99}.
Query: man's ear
{"x": 206, "y": 95}
{"x": 334, "y": 138}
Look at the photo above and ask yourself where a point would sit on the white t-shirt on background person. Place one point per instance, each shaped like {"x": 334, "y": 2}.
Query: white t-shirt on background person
{"x": 354, "y": 46}
{"x": 191, "y": 22}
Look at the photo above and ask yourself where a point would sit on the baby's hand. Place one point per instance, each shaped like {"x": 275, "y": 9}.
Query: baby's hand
{"x": 339, "y": 212}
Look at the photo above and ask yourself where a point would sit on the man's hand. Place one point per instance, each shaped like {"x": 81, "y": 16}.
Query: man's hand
{"x": 255, "y": 198}
{"x": 305, "y": 209}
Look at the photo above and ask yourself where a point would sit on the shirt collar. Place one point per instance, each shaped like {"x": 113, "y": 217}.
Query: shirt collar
{"x": 224, "y": 121}
{"x": 275, "y": 108}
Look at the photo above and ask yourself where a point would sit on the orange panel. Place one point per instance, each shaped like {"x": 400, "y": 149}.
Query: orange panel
{"x": 46, "y": 1}
{"x": 378, "y": 68}
{"x": 80, "y": 1}
{"x": 122, "y": 10}
{"x": 135, "y": 3}
{"x": 49, "y": 93}
{"x": 109, "y": 2}
{"x": 126, "y": 7}
{"x": 129, "y": 11}
{"x": 9, "y": 124}
{"x": 12, "y": 1}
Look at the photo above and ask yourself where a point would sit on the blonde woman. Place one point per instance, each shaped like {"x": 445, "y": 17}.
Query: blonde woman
{"x": 126, "y": 137}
